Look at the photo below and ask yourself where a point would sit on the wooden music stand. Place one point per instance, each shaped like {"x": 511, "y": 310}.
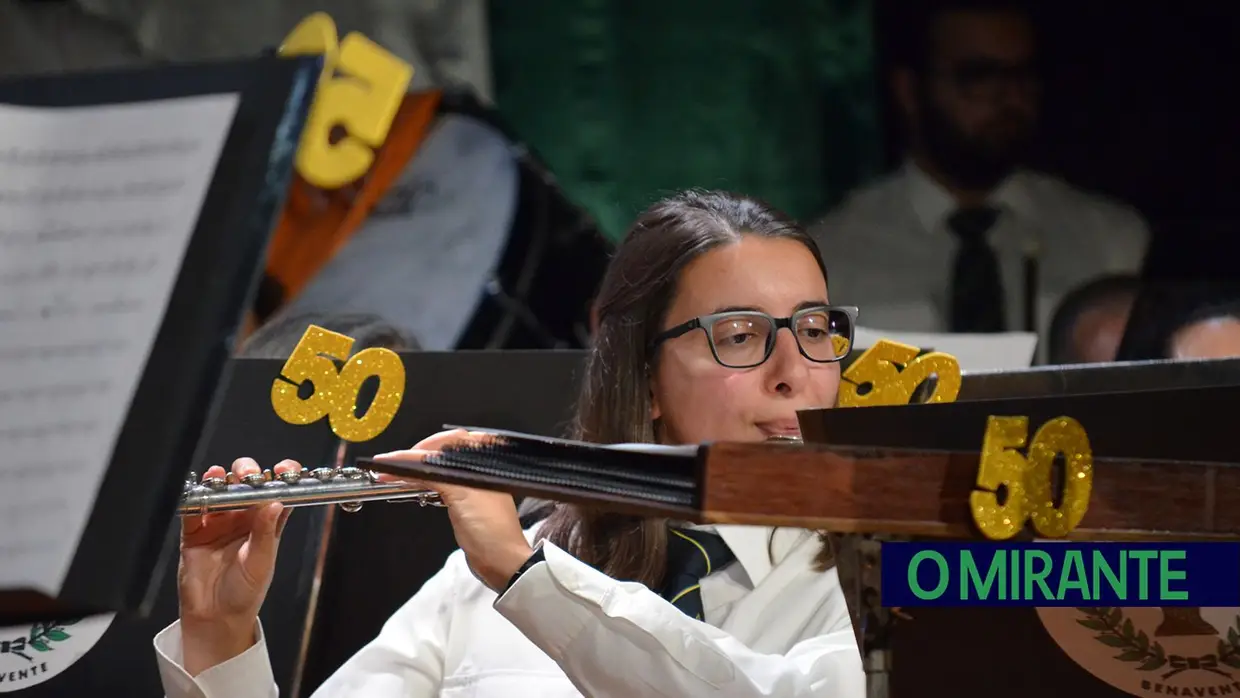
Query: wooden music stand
{"x": 1165, "y": 470}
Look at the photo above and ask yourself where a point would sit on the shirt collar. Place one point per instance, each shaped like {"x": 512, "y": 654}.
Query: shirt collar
{"x": 754, "y": 546}
{"x": 932, "y": 203}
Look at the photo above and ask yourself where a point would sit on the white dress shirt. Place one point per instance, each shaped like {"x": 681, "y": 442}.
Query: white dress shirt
{"x": 889, "y": 251}
{"x": 774, "y": 627}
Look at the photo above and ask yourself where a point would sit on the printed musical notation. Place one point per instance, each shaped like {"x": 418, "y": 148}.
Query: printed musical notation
{"x": 97, "y": 207}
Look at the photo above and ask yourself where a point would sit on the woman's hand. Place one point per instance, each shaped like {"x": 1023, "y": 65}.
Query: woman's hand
{"x": 485, "y": 523}
{"x": 227, "y": 562}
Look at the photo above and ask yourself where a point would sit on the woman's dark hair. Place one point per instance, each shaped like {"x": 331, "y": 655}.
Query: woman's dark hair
{"x": 1164, "y": 307}
{"x": 615, "y": 401}
{"x": 1113, "y": 291}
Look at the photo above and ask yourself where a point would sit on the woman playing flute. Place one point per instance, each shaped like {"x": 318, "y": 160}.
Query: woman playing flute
{"x": 714, "y": 324}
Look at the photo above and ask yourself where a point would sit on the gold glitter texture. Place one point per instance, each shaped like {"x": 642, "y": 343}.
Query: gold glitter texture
{"x": 880, "y": 367}
{"x": 840, "y": 345}
{"x": 387, "y": 366}
{"x": 335, "y": 392}
{"x": 1066, "y": 436}
{"x": 1028, "y": 481}
{"x": 1001, "y": 465}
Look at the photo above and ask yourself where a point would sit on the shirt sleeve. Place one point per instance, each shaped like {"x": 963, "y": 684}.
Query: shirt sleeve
{"x": 405, "y": 661}
{"x": 248, "y": 675}
{"x": 618, "y": 638}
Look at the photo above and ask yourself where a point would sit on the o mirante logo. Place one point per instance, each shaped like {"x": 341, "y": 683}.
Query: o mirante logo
{"x": 1152, "y": 651}
{"x": 32, "y": 654}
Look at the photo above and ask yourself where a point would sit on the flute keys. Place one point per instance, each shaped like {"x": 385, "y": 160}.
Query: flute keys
{"x": 216, "y": 484}
{"x": 351, "y": 473}
{"x": 323, "y": 474}
{"x": 290, "y": 477}
{"x": 256, "y": 479}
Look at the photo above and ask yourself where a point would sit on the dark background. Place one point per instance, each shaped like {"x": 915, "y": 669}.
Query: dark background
{"x": 1138, "y": 105}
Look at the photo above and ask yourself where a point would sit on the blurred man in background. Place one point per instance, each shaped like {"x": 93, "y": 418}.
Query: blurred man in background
{"x": 962, "y": 238}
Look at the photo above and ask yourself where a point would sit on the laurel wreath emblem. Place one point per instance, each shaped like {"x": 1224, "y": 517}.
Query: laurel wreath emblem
{"x": 1114, "y": 629}
{"x": 42, "y": 635}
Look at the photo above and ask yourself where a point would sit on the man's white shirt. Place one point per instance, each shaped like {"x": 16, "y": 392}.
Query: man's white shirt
{"x": 888, "y": 248}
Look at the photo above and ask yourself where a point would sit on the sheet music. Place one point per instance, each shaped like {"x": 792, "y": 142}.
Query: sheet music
{"x": 975, "y": 352}
{"x": 97, "y": 207}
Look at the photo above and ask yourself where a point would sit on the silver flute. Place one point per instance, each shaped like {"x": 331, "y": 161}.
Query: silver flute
{"x": 347, "y": 486}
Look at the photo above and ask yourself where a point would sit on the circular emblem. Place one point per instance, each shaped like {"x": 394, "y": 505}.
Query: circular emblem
{"x": 1176, "y": 651}
{"x": 32, "y": 654}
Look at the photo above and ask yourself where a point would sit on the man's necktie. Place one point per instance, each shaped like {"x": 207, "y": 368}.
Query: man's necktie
{"x": 977, "y": 289}
{"x": 692, "y": 555}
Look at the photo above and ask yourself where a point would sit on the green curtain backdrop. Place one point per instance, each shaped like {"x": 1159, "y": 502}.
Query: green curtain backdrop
{"x": 626, "y": 100}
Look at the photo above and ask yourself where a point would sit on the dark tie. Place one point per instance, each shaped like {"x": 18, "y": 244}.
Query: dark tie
{"x": 692, "y": 555}
{"x": 977, "y": 288}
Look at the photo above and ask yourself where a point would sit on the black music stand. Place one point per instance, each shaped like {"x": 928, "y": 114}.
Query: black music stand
{"x": 120, "y": 546}
{"x": 244, "y": 424}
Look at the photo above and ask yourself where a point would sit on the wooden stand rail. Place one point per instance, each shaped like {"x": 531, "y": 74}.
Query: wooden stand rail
{"x": 927, "y": 494}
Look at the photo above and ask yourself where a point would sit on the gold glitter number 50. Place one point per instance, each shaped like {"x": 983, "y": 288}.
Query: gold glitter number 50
{"x": 335, "y": 391}
{"x": 893, "y": 371}
{"x": 1028, "y": 479}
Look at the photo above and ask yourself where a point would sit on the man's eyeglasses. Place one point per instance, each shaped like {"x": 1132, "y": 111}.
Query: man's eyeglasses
{"x": 987, "y": 79}
{"x": 746, "y": 338}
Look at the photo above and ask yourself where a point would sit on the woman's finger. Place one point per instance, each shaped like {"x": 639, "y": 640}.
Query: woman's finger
{"x": 482, "y": 437}
{"x": 264, "y": 535}
{"x": 445, "y": 491}
{"x": 216, "y": 529}
{"x": 283, "y": 521}
{"x": 409, "y": 455}
{"x": 390, "y": 479}
{"x": 286, "y": 466}
{"x": 192, "y": 524}
{"x": 245, "y": 466}
{"x": 212, "y": 472}
{"x": 437, "y": 442}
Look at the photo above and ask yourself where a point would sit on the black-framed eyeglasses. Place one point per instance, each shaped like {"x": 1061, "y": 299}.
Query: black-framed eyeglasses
{"x": 746, "y": 338}
{"x": 987, "y": 79}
